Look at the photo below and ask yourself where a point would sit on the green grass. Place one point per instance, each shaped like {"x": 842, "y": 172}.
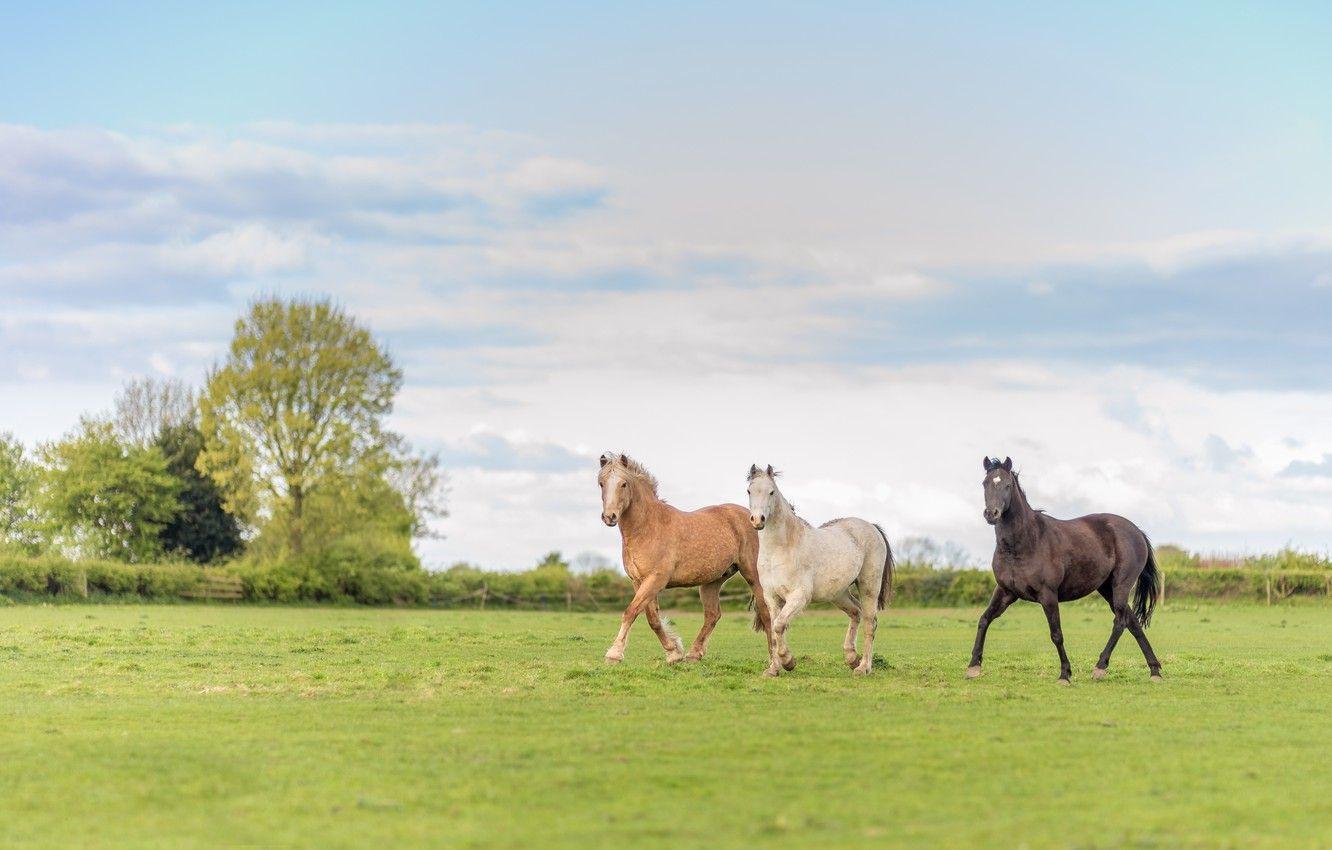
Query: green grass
{"x": 181, "y": 727}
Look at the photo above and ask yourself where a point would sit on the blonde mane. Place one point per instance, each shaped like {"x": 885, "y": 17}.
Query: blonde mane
{"x": 632, "y": 469}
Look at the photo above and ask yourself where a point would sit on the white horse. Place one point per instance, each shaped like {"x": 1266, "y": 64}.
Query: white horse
{"x": 799, "y": 564}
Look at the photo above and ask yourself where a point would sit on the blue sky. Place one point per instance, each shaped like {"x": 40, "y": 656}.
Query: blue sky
{"x": 864, "y": 243}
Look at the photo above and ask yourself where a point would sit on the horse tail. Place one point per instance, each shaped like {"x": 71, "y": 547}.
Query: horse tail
{"x": 886, "y": 587}
{"x": 1148, "y": 590}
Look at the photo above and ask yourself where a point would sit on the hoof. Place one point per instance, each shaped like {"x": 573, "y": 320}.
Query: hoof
{"x": 772, "y": 672}
{"x": 1065, "y": 682}
{"x": 973, "y": 672}
{"x": 675, "y": 658}
{"x": 860, "y": 671}
{"x": 788, "y": 664}
{"x": 1098, "y": 673}
{"x": 694, "y": 656}
{"x": 1156, "y": 677}
{"x": 853, "y": 662}
{"x": 614, "y": 659}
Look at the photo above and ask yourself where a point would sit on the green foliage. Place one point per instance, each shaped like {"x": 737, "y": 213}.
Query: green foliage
{"x": 298, "y": 405}
{"x": 201, "y": 530}
{"x": 104, "y": 498}
{"x": 20, "y": 525}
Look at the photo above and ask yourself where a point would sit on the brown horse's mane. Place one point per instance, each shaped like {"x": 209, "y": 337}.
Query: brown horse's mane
{"x": 633, "y": 469}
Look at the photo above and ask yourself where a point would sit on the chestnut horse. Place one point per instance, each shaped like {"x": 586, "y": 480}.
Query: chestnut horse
{"x": 1048, "y": 561}
{"x": 666, "y": 547}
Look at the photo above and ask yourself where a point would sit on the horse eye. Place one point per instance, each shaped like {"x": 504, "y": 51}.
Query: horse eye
{"x": 772, "y": 492}
{"x": 624, "y": 483}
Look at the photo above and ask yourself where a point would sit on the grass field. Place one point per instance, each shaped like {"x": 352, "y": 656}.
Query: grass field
{"x": 183, "y": 727}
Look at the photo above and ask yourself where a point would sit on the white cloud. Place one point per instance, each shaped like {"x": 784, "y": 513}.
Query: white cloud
{"x": 541, "y": 320}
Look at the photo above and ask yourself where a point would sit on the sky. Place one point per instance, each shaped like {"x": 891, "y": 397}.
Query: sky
{"x": 866, "y": 243}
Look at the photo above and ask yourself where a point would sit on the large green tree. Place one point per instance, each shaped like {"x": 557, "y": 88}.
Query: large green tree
{"x": 202, "y": 530}
{"x": 298, "y": 404}
{"x": 19, "y": 526}
{"x": 104, "y": 497}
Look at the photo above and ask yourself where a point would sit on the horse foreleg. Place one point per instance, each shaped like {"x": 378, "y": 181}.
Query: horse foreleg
{"x": 711, "y": 596}
{"x": 670, "y": 641}
{"x": 795, "y": 603}
{"x": 999, "y": 602}
{"x": 646, "y": 592}
{"x": 764, "y": 605}
{"x": 1051, "y": 606}
{"x": 851, "y": 608}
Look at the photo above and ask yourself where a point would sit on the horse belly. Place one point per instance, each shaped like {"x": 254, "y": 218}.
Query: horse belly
{"x": 834, "y": 570}
{"x": 1080, "y": 582}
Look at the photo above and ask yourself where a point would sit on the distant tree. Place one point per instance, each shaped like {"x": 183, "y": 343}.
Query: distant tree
{"x": 19, "y": 524}
{"x": 146, "y": 408}
{"x": 104, "y": 497}
{"x": 926, "y": 552}
{"x": 591, "y": 562}
{"x": 419, "y": 480}
{"x": 202, "y": 530}
{"x": 553, "y": 560}
{"x": 299, "y": 403}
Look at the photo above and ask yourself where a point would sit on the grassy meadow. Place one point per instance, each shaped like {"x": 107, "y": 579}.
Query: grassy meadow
{"x": 205, "y": 726}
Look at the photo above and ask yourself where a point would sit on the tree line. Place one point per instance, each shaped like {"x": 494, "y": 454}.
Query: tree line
{"x": 282, "y": 455}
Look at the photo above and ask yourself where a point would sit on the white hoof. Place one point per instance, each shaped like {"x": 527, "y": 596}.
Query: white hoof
{"x": 973, "y": 672}
{"x": 1098, "y": 673}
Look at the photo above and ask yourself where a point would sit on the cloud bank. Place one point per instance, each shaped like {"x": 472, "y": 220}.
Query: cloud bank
{"x": 540, "y": 320}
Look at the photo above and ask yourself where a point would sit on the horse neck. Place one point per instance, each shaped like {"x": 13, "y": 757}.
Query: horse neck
{"x": 644, "y": 513}
{"x": 787, "y": 528}
{"x": 1019, "y": 528}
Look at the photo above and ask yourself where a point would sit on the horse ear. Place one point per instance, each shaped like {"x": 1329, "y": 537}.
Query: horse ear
{"x": 624, "y": 459}
{"x": 1008, "y": 464}
{"x": 753, "y": 470}
{"x": 605, "y": 459}
{"x": 770, "y": 470}
{"x": 987, "y": 463}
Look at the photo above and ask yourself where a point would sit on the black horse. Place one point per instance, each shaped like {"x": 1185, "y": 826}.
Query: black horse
{"x": 1047, "y": 560}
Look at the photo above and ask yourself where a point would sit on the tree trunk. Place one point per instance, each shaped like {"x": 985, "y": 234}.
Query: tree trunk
{"x": 297, "y": 540}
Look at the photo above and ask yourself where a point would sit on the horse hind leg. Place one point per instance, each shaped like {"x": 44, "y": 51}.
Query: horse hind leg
{"x": 1153, "y": 665}
{"x": 851, "y": 608}
{"x": 869, "y": 625}
{"x": 711, "y": 596}
{"x": 1118, "y": 605}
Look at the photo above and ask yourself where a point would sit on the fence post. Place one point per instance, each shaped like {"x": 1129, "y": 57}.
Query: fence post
{"x": 485, "y": 591}
{"x": 1269, "y": 589}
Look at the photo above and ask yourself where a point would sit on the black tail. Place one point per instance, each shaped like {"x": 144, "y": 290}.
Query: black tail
{"x": 886, "y": 588}
{"x": 1148, "y": 589}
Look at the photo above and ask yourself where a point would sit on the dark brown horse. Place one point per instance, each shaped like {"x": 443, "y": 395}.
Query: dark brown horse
{"x": 1048, "y": 561}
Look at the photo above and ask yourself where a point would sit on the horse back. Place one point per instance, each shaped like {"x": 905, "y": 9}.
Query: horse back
{"x": 709, "y": 541}
{"x": 1098, "y": 547}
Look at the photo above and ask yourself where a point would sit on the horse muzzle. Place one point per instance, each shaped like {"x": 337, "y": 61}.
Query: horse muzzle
{"x": 610, "y": 519}
{"x": 758, "y": 522}
{"x": 992, "y": 516}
